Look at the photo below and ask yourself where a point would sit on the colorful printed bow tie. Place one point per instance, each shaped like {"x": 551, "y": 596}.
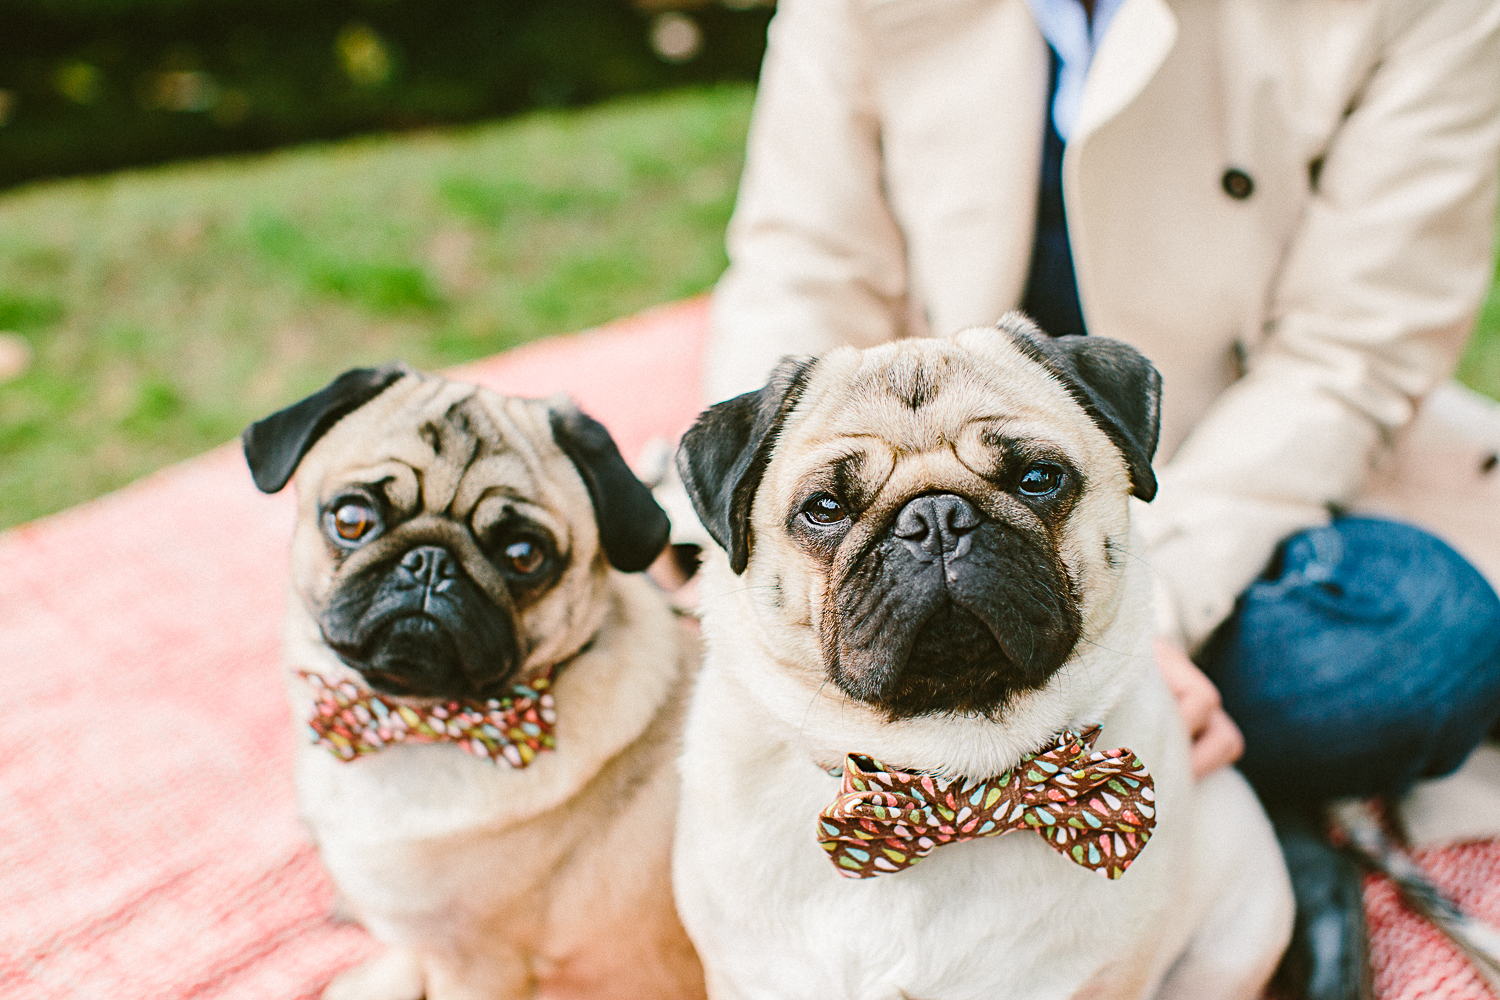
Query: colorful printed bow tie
{"x": 1096, "y": 807}
{"x": 352, "y": 722}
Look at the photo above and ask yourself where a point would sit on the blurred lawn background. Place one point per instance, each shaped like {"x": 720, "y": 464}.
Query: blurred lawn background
{"x": 163, "y": 309}
{"x": 166, "y": 308}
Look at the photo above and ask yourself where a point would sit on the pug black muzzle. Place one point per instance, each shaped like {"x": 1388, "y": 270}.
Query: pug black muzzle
{"x": 418, "y": 625}
{"x": 949, "y": 610}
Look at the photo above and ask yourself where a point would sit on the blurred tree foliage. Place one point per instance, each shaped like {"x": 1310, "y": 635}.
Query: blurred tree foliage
{"x": 93, "y": 85}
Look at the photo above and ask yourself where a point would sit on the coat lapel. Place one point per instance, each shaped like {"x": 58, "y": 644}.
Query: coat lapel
{"x": 1134, "y": 47}
{"x": 1126, "y": 170}
{"x": 963, "y": 144}
{"x": 962, "y": 86}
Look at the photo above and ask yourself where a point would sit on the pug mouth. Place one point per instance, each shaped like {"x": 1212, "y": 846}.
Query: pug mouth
{"x": 433, "y": 640}
{"x": 955, "y": 665}
{"x": 414, "y": 655}
{"x": 963, "y": 634}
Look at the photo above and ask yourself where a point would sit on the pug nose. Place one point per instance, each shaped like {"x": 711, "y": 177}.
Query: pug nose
{"x": 937, "y": 525}
{"x": 430, "y": 566}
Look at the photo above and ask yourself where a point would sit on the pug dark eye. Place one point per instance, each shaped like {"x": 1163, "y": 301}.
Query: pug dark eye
{"x": 524, "y": 557}
{"x": 354, "y": 521}
{"x": 822, "y": 508}
{"x": 1041, "y": 479}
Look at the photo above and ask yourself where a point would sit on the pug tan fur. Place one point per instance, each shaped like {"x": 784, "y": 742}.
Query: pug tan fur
{"x": 1203, "y": 913}
{"x": 482, "y": 880}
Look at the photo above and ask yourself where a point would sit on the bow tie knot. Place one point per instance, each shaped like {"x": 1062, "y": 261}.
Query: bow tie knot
{"x": 1095, "y": 807}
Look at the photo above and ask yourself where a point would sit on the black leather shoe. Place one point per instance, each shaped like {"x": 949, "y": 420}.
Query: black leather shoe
{"x": 1328, "y": 958}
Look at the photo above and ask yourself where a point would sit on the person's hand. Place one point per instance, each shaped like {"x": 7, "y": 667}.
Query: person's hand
{"x": 1217, "y": 741}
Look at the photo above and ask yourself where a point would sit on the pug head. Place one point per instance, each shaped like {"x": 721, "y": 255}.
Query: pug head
{"x": 933, "y": 525}
{"x": 451, "y": 540}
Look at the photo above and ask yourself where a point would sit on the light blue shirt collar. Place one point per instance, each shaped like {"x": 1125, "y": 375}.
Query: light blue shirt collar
{"x": 1067, "y": 29}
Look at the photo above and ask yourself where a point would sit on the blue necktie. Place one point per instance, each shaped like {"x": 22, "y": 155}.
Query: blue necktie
{"x": 1051, "y": 297}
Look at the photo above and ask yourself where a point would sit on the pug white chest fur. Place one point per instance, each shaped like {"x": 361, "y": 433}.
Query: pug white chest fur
{"x": 461, "y": 553}
{"x": 928, "y": 562}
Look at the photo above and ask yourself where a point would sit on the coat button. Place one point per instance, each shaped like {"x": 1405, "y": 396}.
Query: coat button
{"x": 1237, "y": 184}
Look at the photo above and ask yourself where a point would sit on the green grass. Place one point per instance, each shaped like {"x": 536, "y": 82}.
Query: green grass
{"x": 1480, "y": 365}
{"x": 168, "y": 308}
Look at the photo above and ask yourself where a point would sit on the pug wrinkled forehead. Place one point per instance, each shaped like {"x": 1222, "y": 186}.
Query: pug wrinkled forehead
{"x": 946, "y": 517}
{"x": 451, "y": 540}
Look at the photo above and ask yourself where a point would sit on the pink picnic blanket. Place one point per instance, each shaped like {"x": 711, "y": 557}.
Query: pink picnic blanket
{"x": 149, "y": 848}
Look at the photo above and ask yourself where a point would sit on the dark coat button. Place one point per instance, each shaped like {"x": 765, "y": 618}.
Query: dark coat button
{"x": 1237, "y": 184}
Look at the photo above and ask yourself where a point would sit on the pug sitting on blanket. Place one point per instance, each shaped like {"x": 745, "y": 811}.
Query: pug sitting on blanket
{"x": 495, "y": 703}
{"x": 929, "y": 739}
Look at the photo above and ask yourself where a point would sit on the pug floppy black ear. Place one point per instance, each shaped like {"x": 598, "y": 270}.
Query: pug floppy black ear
{"x": 1113, "y": 382}
{"x": 275, "y": 446}
{"x": 725, "y": 453}
{"x": 632, "y": 528}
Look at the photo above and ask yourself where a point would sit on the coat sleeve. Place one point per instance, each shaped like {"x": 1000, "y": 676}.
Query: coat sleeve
{"x": 1372, "y": 307}
{"x": 816, "y": 258}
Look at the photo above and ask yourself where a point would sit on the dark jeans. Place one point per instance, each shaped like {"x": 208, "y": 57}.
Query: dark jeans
{"x": 1367, "y": 656}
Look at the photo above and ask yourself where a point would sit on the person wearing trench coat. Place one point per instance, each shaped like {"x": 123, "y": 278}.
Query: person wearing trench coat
{"x": 1289, "y": 206}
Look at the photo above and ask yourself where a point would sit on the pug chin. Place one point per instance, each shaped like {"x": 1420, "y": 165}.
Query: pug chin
{"x": 956, "y": 666}
{"x": 412, "y": 655}
{"x": 418, "y": 625}
{"x": 419, "y": 656}
{"x": 933, "y": 620}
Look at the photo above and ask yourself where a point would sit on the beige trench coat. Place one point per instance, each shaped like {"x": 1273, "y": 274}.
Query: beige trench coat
{"x": 890, "y": 191}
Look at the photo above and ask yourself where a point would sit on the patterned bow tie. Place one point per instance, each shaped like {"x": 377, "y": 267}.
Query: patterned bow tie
{"x": 352, "y": 722}
{"x": 1097, "y": 807}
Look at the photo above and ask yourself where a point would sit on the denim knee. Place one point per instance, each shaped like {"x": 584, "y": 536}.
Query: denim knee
{"x": 1366, "y": 657}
